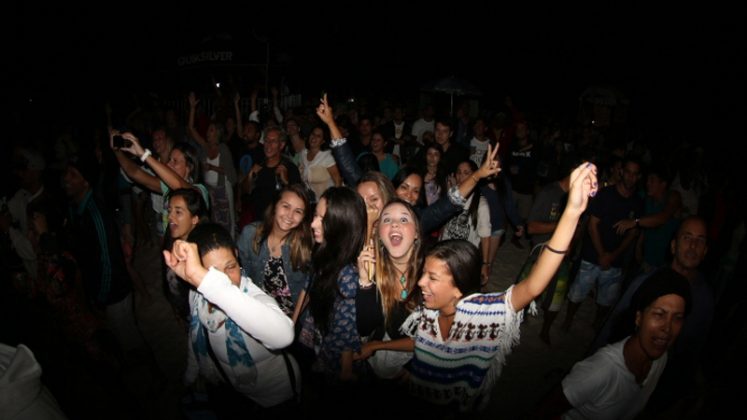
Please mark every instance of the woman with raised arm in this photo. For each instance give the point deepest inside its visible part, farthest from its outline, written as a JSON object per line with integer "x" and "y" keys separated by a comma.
{"x": 473, "y": 223}
{"x": 183, "y": 169}
{"x": 316, "y": 164}
{"x": 220, "y": 173}
{"x": 237, "y": 332}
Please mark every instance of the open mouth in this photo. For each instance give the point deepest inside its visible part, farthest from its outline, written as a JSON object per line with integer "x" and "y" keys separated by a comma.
{"x": 427, "y": 296}
{"x": 661, "y": 343}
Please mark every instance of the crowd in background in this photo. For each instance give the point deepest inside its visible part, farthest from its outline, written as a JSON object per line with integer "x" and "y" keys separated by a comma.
{"x": 331, "y": 255}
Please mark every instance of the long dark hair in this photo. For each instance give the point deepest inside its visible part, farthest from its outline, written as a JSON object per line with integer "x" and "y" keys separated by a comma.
{"x": 195, "y": 204}
{"x": 402, "y": 175}
{"x": 192, "y": 160}
{"x": 440, "y": 170}
{"x": 344, "y": 226}
{"x": 475, "y": 203}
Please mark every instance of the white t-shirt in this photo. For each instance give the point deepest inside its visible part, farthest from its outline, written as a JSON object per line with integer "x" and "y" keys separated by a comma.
{"x": 398, "y": 129}
{"x": 314, "y": 173}
{"x": 421, "y": 126}
{"x": 211, "y": 176}
{"x": 602, "y": 387}
{"x": 477, "y": 150}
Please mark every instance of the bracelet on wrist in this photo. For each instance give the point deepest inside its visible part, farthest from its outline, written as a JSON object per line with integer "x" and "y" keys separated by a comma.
{"x": 337, "y": 142}
{"x": 477, "y": 181}
{"x": 555, "y": 251}
{"x": 145, "y": 155}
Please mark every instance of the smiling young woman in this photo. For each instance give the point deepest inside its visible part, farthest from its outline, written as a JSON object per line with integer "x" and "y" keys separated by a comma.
{"x": 276, "y": 252}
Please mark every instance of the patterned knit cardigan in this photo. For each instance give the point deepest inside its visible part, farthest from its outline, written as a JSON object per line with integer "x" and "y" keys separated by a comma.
{"x": 463, "y": 368}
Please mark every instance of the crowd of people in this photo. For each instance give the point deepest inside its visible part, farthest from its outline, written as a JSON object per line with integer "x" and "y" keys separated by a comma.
{"x": 318, "y": 258}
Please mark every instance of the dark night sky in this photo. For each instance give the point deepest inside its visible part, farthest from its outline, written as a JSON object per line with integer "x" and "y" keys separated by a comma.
{"x": 679, "y": 66}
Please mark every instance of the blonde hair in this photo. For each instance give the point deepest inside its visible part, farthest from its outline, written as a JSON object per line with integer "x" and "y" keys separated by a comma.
{"x": 381, "y": 181}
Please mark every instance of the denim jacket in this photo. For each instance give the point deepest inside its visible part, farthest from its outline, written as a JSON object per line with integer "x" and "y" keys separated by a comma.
{"x": 253, "y": 264}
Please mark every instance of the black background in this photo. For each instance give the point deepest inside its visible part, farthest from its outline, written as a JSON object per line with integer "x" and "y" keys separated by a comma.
{"x": 681, "y": 65}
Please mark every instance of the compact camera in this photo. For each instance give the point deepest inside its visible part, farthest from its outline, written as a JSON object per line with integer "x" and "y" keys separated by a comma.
{"x": 120, "y": 142}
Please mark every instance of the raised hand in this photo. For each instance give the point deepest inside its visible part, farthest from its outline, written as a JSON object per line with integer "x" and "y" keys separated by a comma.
{"x": 491, "y": 166}
{"x": 193, "y": 101}
{"x": 583, "y": 184}
{"x": 134, "y": 147}
{"x": 184, "y": 260}
{"x": 324, "y": 111}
